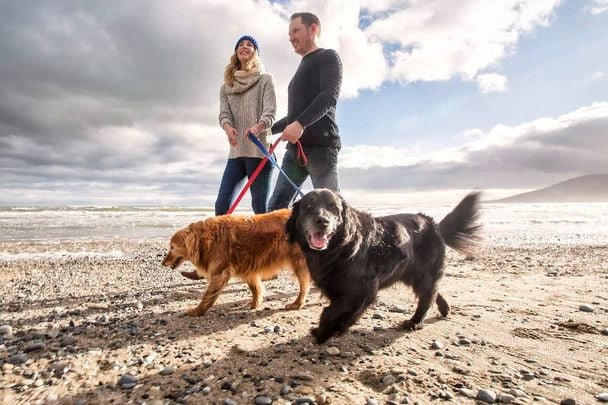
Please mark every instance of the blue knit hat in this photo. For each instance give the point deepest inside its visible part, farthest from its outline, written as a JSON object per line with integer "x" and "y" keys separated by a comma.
{"x": 250, "y": 39}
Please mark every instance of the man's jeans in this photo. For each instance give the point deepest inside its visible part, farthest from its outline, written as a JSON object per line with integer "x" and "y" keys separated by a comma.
{"x": 322, "y": 168}
{"x": 235, "y": 172}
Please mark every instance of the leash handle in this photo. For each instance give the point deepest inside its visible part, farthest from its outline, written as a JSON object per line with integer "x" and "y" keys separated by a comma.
{"x": 262, "y": 148}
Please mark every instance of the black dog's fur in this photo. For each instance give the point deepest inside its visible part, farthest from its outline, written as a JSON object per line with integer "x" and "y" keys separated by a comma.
{"x": 352, "y": 255}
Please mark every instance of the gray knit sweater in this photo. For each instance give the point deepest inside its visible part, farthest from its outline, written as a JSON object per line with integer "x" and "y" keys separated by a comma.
{"x": 245, "y": 105}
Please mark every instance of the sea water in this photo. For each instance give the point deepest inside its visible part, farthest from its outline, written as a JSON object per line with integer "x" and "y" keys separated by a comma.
{"x": 503, "y": 224}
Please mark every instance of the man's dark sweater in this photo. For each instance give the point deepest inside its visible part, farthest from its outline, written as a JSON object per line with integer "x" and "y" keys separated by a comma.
{"x": 312, "y": 96}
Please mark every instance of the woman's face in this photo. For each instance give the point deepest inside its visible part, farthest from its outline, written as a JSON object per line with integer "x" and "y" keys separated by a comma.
{"x": 245, "y": 51}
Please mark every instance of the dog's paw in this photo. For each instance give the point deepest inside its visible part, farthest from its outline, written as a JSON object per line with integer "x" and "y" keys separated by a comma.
{"x": 411, "y": 325}
{"x": 319, "y": 336}
{"x": 253, "y": 305}
{"x": 192, "y": 275}
{"x": 193, "y": 312}
{"x": 293, "y": 305}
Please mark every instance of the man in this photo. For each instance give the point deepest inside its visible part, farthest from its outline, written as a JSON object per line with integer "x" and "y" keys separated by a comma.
{"x": 311, "y": 114}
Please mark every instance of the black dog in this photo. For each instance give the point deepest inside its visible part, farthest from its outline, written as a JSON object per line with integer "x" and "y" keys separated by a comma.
{"x": 352, "y": 255}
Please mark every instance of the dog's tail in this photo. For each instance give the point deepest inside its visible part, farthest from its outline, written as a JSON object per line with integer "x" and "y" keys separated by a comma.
{"x": 460, "y": 229}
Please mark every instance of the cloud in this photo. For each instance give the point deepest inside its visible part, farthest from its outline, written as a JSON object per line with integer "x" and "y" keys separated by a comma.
{"x": 437, "y": 40}
{"x": 595, "y": 76}
{"x": 598, "y": 7}
{"x": 532, "y": 154}
{"x": 491, "y": 82}
{"x": 119, "y": 100}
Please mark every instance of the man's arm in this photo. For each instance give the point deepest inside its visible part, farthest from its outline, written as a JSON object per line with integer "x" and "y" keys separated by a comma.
{"x": 279, "y": 126}
{"x": 331, "y": 80}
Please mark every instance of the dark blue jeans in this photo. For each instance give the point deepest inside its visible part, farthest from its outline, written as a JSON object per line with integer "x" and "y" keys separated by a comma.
{"x": 322, "y": 168}
{"x": 234, "y": 174}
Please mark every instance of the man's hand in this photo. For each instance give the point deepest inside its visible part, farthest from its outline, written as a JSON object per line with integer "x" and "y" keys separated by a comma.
{"x": 292, "y": 132}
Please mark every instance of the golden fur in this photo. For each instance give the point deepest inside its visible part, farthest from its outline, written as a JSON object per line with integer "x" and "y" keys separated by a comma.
{"x": 253, "y": 248}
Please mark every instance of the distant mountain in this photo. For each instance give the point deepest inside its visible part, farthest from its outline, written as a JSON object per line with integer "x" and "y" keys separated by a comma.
{"x": 591, "y": 188}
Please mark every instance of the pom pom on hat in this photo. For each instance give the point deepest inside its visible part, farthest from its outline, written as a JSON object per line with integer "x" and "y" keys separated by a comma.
{"x": 250, "y": 39}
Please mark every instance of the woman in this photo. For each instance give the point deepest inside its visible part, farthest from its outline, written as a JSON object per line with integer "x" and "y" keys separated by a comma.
{"x": 247, "y": 104}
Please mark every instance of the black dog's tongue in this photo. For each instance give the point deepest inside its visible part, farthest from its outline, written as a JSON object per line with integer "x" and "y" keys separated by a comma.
{"x": 319, "y": 240}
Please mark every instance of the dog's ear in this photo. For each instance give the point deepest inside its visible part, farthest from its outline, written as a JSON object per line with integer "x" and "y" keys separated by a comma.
{"x": 349, "y": 219}
{"x": 290, "y": 225}
{"x": 193, "y": 246}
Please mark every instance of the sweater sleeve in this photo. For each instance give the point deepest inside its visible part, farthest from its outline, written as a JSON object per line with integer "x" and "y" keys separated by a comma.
{"x": 269, "y": 103}
{"x": 225, "y": 115}
{"x": 280, "y": 125}
{"x": 330, "y": 72}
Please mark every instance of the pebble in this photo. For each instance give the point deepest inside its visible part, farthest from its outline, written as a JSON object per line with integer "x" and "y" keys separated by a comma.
{"x": 371, "y": 401}
{"x": 33, "y": 347}
{"x": 603, "y": 397}
{"x": 226, "y": 386}
{"x": 436, "y": 345}
{"x": 398, "y": 308}
{"x": 333, "y": 351}
{"x": 586, "y": 308}
{"x": 167, "y": 371}
{"x": 262, "y": 400}
{"x": 206, "y": 390}
{"x": 517, "y": 393}
{"x": 285, "y": 389}
{"x": 467, "y": 392}
{"x": 604, "y": 331}
{"x": 302, "y": 377}
{"x": 304, "y": 389}
{"x": 304, "y": 401}
{"x": 567, "y": 401}
{"x": 486, "y": 395}
{"x": 378, "y": 315}
{"x": 506, "y": 398}
{"x": 17, "y": 359}
{"x": 388, "y": 379}
{"x": 127, "y": 381}
{"x": 527, "y": 375}
{"x": 68, "y": 341}
{"x": 6, "y": 330}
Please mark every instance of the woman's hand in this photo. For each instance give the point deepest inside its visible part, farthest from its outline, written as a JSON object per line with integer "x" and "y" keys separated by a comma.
{"x": 256, "y": 129}
{"x": 231, "y": 134}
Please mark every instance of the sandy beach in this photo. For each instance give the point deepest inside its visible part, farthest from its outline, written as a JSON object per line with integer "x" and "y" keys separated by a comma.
{"x": 528, "y": 325}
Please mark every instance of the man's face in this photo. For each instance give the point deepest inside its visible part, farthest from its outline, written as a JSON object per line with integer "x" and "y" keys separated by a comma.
{"x": 301, "y": 37}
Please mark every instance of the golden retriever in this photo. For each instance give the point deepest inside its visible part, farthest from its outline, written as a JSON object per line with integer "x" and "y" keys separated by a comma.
{"x": 253, "y": 248}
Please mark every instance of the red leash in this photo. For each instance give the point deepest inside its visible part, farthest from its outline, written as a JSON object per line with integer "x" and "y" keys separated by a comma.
{"x": 301, "y": 157}
{"x": 254, "y": 175}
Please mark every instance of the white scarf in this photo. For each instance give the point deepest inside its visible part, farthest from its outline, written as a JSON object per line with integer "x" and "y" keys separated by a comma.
{"x": 244, "y": 79}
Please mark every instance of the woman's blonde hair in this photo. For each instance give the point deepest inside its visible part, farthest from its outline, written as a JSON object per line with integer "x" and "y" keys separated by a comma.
{"x": 235, "y": 64}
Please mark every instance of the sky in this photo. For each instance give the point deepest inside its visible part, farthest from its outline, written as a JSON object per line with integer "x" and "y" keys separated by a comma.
{"x": 116, "y": 102}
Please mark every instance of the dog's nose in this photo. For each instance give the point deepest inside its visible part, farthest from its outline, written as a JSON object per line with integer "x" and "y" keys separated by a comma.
{"x": 321, "y": 221}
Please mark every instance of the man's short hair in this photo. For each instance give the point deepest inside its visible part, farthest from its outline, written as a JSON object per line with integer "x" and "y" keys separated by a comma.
{"x": 308, "y": 19}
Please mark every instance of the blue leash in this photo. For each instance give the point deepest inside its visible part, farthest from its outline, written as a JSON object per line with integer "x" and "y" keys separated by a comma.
{"x": 262, "y": 148}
